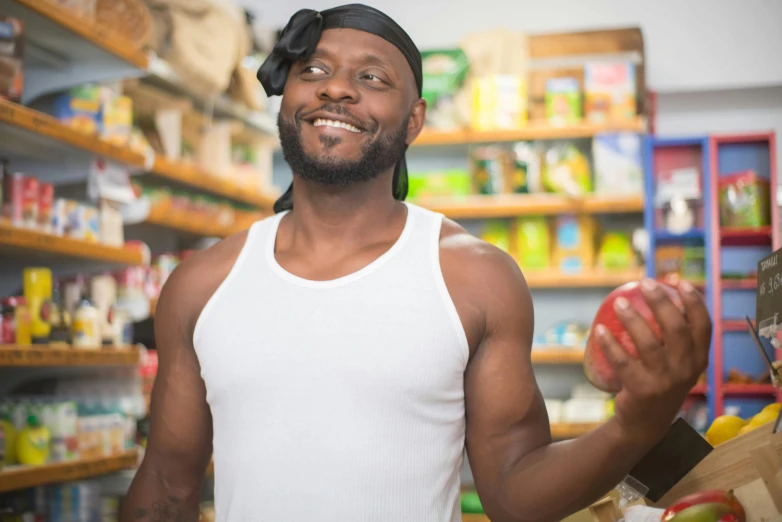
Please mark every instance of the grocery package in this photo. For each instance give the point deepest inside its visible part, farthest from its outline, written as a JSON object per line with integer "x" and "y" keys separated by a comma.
{"x": 686, "y": 262}
{"x": 451, "y": 183}
{"x": 533, "y": 243}
{"x": 618, "y": 164}
{"x": 563, "y": 101}
{"x": 117, "y": 120}
{"x": 488, "y": 164}
{"x": 744, "y": 200}
{"x": 566, "y": 170}
{"x": 566, "y": 334}
{"x": 678, "y": 199}
{"x": 80, "y": 109}
{"x": 525, "y": 169}
{"x": 37, "y": 288}
{"x": 497, "y": 233}
{"x": 609, "y": 91}
{"x": 444, "y": 73}
{"x": 574, "y": 247}
{"x": 12, "y": 42}
{"x": 499, "y": 102}
{"x": 615, "y": 251}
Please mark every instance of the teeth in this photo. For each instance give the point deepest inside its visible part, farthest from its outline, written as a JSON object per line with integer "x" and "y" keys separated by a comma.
{"x": 320, "y": 122}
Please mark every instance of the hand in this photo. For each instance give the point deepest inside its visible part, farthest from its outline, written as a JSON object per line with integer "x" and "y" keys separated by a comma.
{"x": 655, "y": 384}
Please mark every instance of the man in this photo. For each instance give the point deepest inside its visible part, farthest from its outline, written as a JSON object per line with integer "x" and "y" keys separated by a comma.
{"x": 339, "y": 356}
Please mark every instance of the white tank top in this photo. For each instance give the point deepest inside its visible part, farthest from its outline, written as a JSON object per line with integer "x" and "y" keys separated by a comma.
{"x": 338, "y": 400}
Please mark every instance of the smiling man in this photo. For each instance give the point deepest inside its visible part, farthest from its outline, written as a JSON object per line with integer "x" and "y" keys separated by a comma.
{"x": 338, "y": 357}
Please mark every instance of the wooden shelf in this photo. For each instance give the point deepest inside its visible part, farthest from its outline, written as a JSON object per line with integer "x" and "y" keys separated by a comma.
{"x": 739, "y": 284}
{"x": 16, "y": 356}
{"x": 186, "y": 222}
{"x": 562, "y": 431}
{"x": 533, "y": 131}
{"x": 553, "y": 279}
{"x": 749, "y": 389}
{"x": 14, "y": 238}
{"x": 557, "y": 355}
{"x": 96, "y": 34}
{"x": 36, "y": 125}
{"x": 23, "y": 477}
{"x": 191, "y": 175}
{"x": 513, "y": 205}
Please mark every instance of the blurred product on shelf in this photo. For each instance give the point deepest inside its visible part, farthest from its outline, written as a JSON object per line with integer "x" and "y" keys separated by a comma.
{"x": 696, "y": 413}
{"x": 563, "y": 101}
{"x": 84, "y": 419}
{"x": 82, "y": 501}
{"x": 586, "y": 405}
{"x": 445, "y": 72}
{"x": 618, "y": 164}
{"x": 566, "y": 170}
{"x": 534, "y": 243}
{"x": 678, "y": 200}
{"x": 12, "y": 42}
{"x": 497, "y": 233}
{"x": 45, "y": 315}
{"x": 451, "y": 183}
{"x": 615, "y": 251}
{"x": 488, "y": 170}
{"x": 744, "y": 200}
{"x": 574, "y": 247}
{"x": 27, "y": 203}
{"x": 565, "y": 334}
{"x": 80, "y": 109}
{"x": 686, "y": 262}
{"x": 499, "y": 102}
{"x": 609, "y": 91}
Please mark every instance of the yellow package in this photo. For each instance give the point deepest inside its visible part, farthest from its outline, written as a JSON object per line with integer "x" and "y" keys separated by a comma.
{"x": 499, "y": 102}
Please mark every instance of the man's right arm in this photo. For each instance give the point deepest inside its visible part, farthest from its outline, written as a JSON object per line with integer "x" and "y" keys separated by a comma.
{"x": 168, "y": 483}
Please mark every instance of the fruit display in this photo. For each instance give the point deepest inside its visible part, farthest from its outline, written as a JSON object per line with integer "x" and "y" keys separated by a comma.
{"x": 727, "y": 427}
{"x": 596, "y": 366}
{"x": 706, "y": 506}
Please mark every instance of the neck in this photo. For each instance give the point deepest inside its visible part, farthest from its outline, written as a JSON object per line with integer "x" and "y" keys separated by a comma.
{"x": 343, "y": 215}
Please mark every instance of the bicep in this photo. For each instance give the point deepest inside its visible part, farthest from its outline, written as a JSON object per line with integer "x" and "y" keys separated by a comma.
{"x": 506, "y": 415}
{"x": 180, "y": 420}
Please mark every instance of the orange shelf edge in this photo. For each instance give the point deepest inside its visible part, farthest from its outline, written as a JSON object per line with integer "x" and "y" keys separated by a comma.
{"x": 42, "y": 242}
{"x": 42, "y": 355}
{"x": 23, "y": 477}
{"x": 188, "y": 223}
{"x": 595, "y": 279}
{"x": 534, "y": 130}
{"x": 557, "y": 355}
{"x": 513, "y": 205}
{"x": 564, "y": 430}
{"x": 100, "y": 36}
{"x": 49, "y": 127}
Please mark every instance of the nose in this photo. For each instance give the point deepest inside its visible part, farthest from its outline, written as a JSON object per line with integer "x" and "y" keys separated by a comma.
{"x": 339, "y": 87}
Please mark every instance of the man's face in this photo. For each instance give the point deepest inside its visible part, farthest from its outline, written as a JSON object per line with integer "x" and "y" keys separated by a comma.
{"x": 349, "y": 111}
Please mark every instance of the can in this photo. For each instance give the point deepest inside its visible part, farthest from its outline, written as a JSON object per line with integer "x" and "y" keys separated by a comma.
{"x": 29, "y": 202}
{"x": 45, "y": 207}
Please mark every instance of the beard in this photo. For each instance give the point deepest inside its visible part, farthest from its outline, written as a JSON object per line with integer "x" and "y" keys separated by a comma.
{"x": 377, "y": 156}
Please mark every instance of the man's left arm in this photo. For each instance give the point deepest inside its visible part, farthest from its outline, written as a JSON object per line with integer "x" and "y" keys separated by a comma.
{"x": 520, "y": 474}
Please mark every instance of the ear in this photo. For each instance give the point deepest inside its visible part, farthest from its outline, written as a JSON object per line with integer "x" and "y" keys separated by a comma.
{"x": 417, "y": 119}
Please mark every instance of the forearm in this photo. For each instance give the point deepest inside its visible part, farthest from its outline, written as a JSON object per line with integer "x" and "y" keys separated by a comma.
{"x": 559, "y": 479}
{"x": 155, "y": 496}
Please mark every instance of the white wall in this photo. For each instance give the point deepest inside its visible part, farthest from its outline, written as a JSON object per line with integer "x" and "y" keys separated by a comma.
{"x": 690, "y": 44}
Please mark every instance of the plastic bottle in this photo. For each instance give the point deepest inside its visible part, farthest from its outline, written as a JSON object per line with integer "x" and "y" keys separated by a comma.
{"x": 86, "y": 326}
{"x": 32, "y": 444}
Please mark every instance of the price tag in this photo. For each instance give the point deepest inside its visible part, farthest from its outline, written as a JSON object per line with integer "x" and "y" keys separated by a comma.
{"x": 769, "y": 297}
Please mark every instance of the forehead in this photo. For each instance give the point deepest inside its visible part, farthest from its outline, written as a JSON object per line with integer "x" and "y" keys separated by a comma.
{"x": 355, "y": 45}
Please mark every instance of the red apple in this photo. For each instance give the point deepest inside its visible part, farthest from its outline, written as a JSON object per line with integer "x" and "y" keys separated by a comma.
{"x": 710, "y": 496}
{"x": 597, "y": 368}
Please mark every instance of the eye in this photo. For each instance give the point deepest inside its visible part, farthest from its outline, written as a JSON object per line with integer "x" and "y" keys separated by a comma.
{"x": 373, "y": 78}
{"x": 313, "y": 69}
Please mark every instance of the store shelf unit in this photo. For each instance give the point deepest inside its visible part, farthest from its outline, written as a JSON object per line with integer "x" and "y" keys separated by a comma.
{"x": 557, "y": 355}
{"x": 664, "y": 155}
{"x": 735, "y": 253}
{"x": 22, "y": 477}
{"x": 54, "y": 356}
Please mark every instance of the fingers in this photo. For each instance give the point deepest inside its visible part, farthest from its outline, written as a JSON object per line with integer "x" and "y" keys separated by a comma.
{"x": 670, "y": 317}
{"x": 643, "y": 337}
{"x": 618, "y": 358}
{"x": 699, "y": 320}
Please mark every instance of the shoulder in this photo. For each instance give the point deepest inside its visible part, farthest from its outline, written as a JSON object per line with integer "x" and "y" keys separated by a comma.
{"x": 483, "y": 278}
{"x": 194, "y": 280}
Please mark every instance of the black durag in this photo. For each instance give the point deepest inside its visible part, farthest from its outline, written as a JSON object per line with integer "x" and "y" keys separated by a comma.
{"x": 300, "y": 38}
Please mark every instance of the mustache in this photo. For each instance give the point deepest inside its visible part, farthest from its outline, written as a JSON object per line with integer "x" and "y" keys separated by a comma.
{"x": 340, "y": 110}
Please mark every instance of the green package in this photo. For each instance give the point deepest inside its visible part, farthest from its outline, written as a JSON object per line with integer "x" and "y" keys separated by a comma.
{"x": 497, "y": 233}
{"x": 452, "y": 183}
{"x": 534, "y": 240}
{"x": 444, "y": 74}
{"x": 563, "y": 101}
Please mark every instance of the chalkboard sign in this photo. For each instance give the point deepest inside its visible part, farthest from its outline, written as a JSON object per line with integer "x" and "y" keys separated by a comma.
{"x": 768, "y": 315}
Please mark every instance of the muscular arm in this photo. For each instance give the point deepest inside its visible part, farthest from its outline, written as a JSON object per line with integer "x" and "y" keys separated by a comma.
{"x": 168, "y": 483}
{"x": 520, "y": 474}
